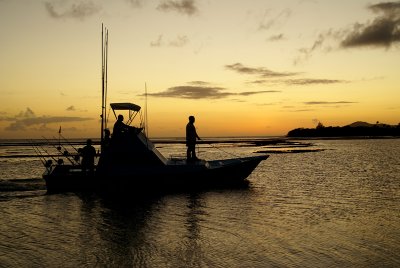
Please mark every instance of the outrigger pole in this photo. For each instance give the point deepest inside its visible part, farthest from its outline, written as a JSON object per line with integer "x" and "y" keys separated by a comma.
{"x": 104, "y": 61}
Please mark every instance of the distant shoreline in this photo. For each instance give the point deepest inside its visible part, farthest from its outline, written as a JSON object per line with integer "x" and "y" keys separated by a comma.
{"x": 249, "y": 141}
{"x": 356, "y": 130}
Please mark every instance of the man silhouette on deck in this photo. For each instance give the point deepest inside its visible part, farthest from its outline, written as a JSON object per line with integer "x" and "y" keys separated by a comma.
{"x": 191, "y": 136}
{"x": 88, "y": 154}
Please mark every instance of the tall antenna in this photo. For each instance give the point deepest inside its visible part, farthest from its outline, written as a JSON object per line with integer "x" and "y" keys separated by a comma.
{"x": 104, "y": 62}
{"x": 106, "y": 81}
{"x": 146, "y": 122}
{"x": 102, "y": 87}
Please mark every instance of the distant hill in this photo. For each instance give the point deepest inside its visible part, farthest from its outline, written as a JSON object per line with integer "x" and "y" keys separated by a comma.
{"x": 359, "y": 128}
{"x": 360, "y": 124}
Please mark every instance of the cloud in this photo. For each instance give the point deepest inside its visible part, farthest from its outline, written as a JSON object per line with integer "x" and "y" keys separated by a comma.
{"x": 268, "y": 23}
{"x": 50, "y": 119}
{"x": 192, "y": 92}
{"x": 27, "y": 118}
{"x": 382, "y": 32}
{"x": 179, "y": 41}
{"x": 277, "y": 37}
{"x": 76, "y": 10}
{"x": 135, "y": 3}
{"x": 312, "y": 81}
{"x": 158, "y": 42}
{"x": 199, "y": 83}
{"x": 186, "y": 7}
{"x": 319, "y": 43}
{"x": 300, "y": 81}
{"x": 202, "y": 92}
{"x": 260, "y": 71}
{"x": 328, "y": 102}
{"x": 273, "y": 77}
{"x": 249, "y": 93}
{"x": 28, "y": 113}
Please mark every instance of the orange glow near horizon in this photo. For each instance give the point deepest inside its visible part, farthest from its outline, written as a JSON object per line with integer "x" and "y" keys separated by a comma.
{"x": 256, "y": 68}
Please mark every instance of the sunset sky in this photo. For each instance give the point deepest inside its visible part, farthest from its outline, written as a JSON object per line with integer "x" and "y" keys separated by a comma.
{"x": 254, "y": 67}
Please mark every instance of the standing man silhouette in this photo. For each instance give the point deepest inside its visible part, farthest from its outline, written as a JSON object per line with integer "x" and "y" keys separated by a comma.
{"x": 191, "y": 136}
{"x": 88, "y": 154}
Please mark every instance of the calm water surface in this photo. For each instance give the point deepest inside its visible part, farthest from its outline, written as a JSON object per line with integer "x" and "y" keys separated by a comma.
{"x": 338, "y": 206}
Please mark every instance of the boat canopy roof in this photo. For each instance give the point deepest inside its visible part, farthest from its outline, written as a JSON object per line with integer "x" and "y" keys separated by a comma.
{"x": 125, "y": 106}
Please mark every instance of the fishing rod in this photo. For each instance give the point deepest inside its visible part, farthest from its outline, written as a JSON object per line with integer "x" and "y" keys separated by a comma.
{"x": 58, "y": 149}
{"x": 37, "y": 151}
{"x": 218, "y": 148}
{"x": 70, "y": 144}
{"x": 66, "y": 153}
{"x": 46, "y": 153}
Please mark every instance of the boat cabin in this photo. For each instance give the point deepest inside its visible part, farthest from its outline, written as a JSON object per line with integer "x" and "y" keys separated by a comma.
{"x": 130, "y": 147}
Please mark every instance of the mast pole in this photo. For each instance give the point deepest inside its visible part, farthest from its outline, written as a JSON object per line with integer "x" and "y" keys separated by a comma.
{"x": 102, "y": 88}
{"x": 146, "y": 125}
{"x": 106, "y": 80}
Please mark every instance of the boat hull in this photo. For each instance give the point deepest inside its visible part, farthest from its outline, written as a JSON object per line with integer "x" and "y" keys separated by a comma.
{"x": 144, "y": 179}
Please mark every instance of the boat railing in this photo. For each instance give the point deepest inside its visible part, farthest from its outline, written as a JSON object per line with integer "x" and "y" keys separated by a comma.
{"x": 176, "y": 157}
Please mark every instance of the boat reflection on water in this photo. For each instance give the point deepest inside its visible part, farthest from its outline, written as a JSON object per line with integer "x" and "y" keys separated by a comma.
{"x": 145, "y": 232}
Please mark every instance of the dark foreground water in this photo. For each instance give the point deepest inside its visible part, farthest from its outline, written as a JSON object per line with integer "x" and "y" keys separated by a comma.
{"x": 336, "y": 204}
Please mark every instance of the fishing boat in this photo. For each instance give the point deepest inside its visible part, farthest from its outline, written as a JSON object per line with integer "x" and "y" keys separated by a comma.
{"x": 131, "y": 162}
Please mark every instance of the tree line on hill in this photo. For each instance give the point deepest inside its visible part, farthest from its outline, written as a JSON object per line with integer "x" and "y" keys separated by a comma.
{"x": 356, "y": 129}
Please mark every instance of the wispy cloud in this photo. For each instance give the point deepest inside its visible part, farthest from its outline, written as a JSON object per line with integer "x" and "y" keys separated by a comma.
{"x": 313, "y": 81}
{"x": 259, "y": 71}
{"x": 299, "y": 82}
{"x": 328, "y": 102}
{"x": 383, "y": 31}
{"x": 319, "y": 43}
{"x": 267, "y": 22}
{"x": 179, "y": 41}
{"x": 193, "y": 92}
{"x": 71, "y": 10}
{"x": 158, "y": 42}
{"x": 186, "y": 7}
{"x": 71, "y": 108}
{"x": 203, "y": 90}
{"x": 199, "y": 83}
{"x": 271, "y": 77}
{"x": 276, "y": 37}
{"x": 135, "y": 3}
{"x": 27, "y": 119}
{"x": 249, "y": 93}
{"x": 309, "y": 106}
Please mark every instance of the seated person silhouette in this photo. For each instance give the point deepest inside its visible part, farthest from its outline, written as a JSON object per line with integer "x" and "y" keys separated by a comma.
{"x": 119, "y": 127}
